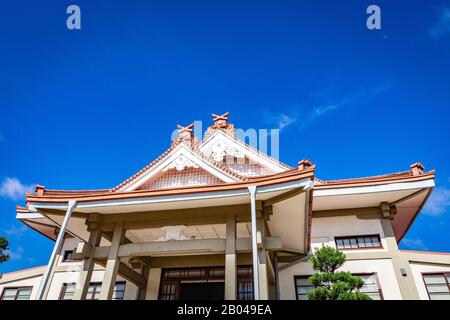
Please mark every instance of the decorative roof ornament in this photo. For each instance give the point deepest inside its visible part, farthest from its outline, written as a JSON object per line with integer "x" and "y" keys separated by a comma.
{"x": 221, "y": 123}
{"x": 220, "y": 149}
{"x": 185, "y": 133}
{"x": 180, "y": 163}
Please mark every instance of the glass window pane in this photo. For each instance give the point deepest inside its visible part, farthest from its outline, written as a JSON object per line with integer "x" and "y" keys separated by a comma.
{"x": 434, "y": 278}
{"x": 347, "y": 243}
{"x": 10, "y": 292}
{"x": 440, "y": 296}
{"x": 438, "y": 288}
{"x": 368, "y": 241}
{"x": 354, "y": 243}
{"x": 376, "y": 242}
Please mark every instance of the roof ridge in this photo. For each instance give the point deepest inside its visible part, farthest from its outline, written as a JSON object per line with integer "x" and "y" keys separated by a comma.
{"x": 401, "y": 173}
{"x": 148, "y": 166}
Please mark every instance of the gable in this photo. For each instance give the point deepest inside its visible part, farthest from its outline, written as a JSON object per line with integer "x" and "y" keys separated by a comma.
{"x": 173, "y": 178}
{"x": 239, "y": 156}
{"x": 181, "y": 163}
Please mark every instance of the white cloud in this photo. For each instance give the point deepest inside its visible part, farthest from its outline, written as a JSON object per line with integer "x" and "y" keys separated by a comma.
{"x": 284, "y": 120}
{"x": 361, "y": 97}
{"x": 415, "y": 244}
{"x": 442, "y": 25}
{"x": 13, "y": 189}
{"x": 15, "y": 231}
{"x": 16, "y": 254}
{"x": 438, "y": 202}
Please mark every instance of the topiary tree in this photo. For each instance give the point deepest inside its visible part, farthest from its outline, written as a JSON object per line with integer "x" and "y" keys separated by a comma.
{"x": 3, "y": 247}
{"x": 332, "y": 285}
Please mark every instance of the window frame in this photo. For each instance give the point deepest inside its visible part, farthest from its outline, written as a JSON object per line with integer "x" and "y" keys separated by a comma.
{"x": 124, "y": 289}
{"x": 18, "y": 289}
{"x": 444, "y": 274}
{"x": 95, "y": 292}
{"x": 63, "y": 291}
{"x": 295, "y": 284}
{"x": 64, "y": 259}
{"x": 356, "y": 237}
{"x": 380, "y": 291}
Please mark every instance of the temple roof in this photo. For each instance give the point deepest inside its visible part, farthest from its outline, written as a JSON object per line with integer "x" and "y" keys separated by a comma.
{"x": 223, "y": 163}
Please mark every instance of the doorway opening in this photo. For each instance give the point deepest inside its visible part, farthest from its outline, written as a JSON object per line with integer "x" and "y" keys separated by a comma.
{"x": 203, "y": 283}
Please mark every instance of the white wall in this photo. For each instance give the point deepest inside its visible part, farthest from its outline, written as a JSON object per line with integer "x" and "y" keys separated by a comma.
{"x": 323, "y": 232}
{"x": 69, "y": 275}
{"x": 28, "y": 282}
{"x": 383, "y": 269}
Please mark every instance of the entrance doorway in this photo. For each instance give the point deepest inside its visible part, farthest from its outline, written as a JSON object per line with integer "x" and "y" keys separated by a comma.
{"x": 203, "y": 283}
{"x": 202, "y": 291}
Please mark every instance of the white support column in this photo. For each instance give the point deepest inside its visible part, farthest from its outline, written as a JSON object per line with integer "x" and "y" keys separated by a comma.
{"x": 56, "y": 251}
{"x": 262, "y": 260}
{"x": 252, "y": 191}
{"x": 230, "y": 259}
{"x": 112, "y": 266}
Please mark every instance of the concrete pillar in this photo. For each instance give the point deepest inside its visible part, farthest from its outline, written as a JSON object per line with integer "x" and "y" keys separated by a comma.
{"x": 112, "y": 265}
{"x": 143, "y": 291}
{"x": 230, "y": 259}
{"x": 153, "y": 282}
{"x": 405, "y": 279}
{"x": 87, "y": 267}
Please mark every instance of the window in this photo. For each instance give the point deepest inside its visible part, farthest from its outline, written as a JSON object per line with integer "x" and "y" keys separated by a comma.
{"x": 438, "y": 285}
{"x": 302, "y": 286}
{"x": 93, "y": 293}
{"x": 370, "y": 287}
{"x": 119, "y": 291}
{"x": 68, "y": 256}
{"x": 358, "y": 242}
{"x": 245, "y": 283}
{"x": 18, "y": 293}
{"x": 67, "y": 291}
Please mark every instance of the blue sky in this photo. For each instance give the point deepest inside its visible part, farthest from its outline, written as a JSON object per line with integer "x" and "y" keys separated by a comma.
{"x": 85, "y": 109}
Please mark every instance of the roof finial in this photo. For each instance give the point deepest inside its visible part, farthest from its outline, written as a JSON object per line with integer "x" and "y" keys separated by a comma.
{"x": 221, "y": 121}
{"x": 417, "y": 169}
{"x": 185, "y": 133}
{"x": 304, "y": 164}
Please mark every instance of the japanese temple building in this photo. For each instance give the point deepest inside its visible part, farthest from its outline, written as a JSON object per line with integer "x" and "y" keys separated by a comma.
{"x": 218, "y": 219}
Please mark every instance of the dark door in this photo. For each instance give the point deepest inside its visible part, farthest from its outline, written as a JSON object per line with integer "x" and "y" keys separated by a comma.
{"x": 202, "y": 291}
